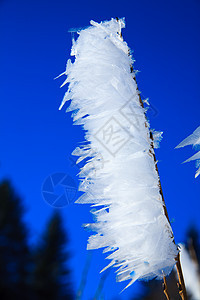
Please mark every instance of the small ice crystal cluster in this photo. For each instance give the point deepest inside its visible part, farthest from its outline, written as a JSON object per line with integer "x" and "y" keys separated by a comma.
{"x": 119, "y": 178}
{"x": 194, "y": 140}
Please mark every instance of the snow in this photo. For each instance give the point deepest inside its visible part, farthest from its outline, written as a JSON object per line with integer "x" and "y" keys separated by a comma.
{"x": 119, "y": 178}
{"x": 193, "y": 139}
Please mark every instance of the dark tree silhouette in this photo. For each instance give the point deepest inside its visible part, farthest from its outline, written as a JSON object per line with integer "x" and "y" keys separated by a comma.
{"x": 14, "y": 252}
{"x": 51, "y": 276}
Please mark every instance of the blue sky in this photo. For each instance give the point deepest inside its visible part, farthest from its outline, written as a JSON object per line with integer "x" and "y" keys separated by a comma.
{"x": 37, "y": 139}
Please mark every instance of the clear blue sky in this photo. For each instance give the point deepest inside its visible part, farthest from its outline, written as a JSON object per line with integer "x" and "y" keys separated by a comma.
{"x": 37, "y": 139}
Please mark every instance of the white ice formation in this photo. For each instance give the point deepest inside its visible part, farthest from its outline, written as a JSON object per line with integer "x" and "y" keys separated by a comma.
{"x": 194, "y": 140}
{"x": 119, "y": 178}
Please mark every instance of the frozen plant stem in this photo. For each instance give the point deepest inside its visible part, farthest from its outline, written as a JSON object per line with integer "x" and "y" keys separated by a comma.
{"x": 120, "y": 177}
{"x": 181, "y": 284}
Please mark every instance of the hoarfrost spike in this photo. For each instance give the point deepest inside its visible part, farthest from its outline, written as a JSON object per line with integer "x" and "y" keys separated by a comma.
{"x": 194, "y": 140}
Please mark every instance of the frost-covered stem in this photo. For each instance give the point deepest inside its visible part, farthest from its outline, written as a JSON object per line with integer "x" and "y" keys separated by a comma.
{"x": 165, "y": 288}
{"x": 129, "y": 210}
{"x": 151, "y": 151}
{"x": 181, "y": 284}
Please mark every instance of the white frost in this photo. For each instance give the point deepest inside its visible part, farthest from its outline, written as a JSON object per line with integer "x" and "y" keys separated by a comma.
{"x": 190, "y": 274}
{"x": 157, "y": 137}
{"x": 119, "y": 178}
{"x": 193, "y": 139}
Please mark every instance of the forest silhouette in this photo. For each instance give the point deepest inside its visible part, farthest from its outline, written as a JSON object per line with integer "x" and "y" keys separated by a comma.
{"x": 42, "y": 271}
{"x": 26, "y": 272}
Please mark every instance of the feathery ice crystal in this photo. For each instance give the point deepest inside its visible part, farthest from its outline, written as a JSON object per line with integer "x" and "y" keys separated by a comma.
{"x": 193, "y": 139}
{"x": 119, "y": 178}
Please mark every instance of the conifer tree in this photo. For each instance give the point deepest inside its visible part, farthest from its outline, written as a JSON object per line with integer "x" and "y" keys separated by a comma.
{"x": 14, "y": 252}
{"x": 50, "y": 279}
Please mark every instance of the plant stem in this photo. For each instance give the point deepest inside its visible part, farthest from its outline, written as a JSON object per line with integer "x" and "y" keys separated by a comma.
{"x": 165, "y": 289}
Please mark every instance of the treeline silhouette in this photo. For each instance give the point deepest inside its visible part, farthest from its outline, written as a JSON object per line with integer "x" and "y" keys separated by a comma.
{"x": 27, "y": 272}
{"x": 41, "y": 272}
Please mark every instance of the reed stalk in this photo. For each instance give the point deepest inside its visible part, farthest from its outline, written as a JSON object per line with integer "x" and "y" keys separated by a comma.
{"x": 181, "y": 283}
